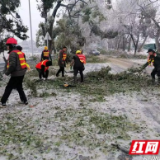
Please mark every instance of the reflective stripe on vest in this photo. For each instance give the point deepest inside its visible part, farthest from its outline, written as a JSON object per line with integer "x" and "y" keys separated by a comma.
{"x": 21, "y": 59}
{"x": 64, "y": 56}
{"x": 82, "y": 58}
{"x": 46, "y": 53}
{"x": 150, "y": 62}
{"x": 38, "y": 66}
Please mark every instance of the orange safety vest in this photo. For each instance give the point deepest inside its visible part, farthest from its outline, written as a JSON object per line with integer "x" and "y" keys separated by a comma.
{"x": 38, "y": 66}
{"x": 64, "y": 56}
{"x": 150, "y": 61}
{"x": 82, "y": 58}
{"x": 46, "y": 53}
{"x": 22, "y": 59}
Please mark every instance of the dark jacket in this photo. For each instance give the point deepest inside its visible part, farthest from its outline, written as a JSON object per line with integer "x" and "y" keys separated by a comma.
{"x": 14, "y": 65}
{"x": 157, "y": 63}
{"x": 44, "y": 58}
{"x": 77, "y": 63}
{"x": 61, "y": 63}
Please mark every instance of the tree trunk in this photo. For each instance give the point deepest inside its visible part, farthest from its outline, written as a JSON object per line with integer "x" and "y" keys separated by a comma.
{"x": 53, "y": 47}
{"x": 141, "y": 46}
{"x": 51, "y": 34}
{"x": 124, "y": 44}
{"x": 157, "y": 40}
{"x": 135, "y": 43}
{"x": 58, "y": 5}
{"x": 129, "y": 44}
{"x": 119, "y": 40}
{"x": 136, "y": 46}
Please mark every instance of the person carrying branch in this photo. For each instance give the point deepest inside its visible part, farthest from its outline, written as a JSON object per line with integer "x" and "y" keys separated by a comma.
{"x": 78, "y": 62}
{"x": 153, "y": 60}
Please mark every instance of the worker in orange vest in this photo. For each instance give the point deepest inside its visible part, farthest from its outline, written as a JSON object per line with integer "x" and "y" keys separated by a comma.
{"x": 62, "y": 61}
{"x": 78, "y": 62}
{"x": 16, "y": 67}
{"x": 43, "y": 68}
{"x": 20, "y": 49}
{"x": 45, "y": 54}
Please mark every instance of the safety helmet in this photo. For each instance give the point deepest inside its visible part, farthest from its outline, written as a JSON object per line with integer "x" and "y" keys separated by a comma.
{"x": 45, "y": 48}
{"x": 11, "y": 41}
{"x": 78, "y": 52}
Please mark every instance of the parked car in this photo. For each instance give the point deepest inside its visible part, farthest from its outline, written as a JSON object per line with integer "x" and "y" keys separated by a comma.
{"x": 94, "y": 52}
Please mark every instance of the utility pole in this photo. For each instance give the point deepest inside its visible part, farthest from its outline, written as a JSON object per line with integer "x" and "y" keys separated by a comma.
{"x": 30, "y": 26}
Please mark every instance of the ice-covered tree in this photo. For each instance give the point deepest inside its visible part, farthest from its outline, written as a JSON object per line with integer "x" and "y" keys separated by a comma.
{"x": 10, "y": 21}
{"x": 49, "y": 10}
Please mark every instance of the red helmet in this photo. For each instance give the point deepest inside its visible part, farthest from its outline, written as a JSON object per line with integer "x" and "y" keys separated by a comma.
{"x": 11, "y": 41}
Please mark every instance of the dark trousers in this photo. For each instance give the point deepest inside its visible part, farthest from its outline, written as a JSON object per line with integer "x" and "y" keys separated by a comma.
{"x": 14, "y": 83}
{"x": 45, "y": 74}
{"x": 76, "y": 72}
{"x": 61, "y": 69}
{"x": 154, "y": 72}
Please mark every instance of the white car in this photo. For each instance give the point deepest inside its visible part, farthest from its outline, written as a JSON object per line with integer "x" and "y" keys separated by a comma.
{"x": 94, "y": 52}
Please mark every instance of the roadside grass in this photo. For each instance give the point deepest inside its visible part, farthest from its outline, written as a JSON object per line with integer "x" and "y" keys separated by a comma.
{"x": 121, "y": 54}
{"x": 97, "y": 83}
{"x": 133, "y": 56}
{"x": 24, "y": 134}
{"x": 76, "y": 127}
{"x": 18, "y": 136}
{"x": 83, "y": 126}
{"x": 95, "y": 59}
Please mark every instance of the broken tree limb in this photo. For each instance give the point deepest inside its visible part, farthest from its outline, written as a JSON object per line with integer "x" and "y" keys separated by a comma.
{"x": 124, "y": 150}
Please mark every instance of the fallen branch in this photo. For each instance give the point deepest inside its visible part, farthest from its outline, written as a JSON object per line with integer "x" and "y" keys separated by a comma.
{"x": 121, "y": 148}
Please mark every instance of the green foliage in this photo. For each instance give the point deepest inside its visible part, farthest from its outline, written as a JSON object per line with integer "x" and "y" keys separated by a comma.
{"x": 15, "y": 132}
{"x": 87, "y": 14}
{"x": 69, "y": 57}
{"x": 103, "y": 34}
{"x": 32, "y": 86}
{"x": 95, "y": 59}
{"x": 96, "y": 13}
{"x": 88, "y": 123}
{"x": 91, "y": 13}
{"x": 40, "y": 35}
{"x": 87, "y": 11}
{"x": 8, "y": 6}
{"x": 11, "y": 25}
{"x": 69, "y": 35}
{"x": 104, "y": 83}
{"x": 113, "y": 124}
{"x": 44, "y": 6}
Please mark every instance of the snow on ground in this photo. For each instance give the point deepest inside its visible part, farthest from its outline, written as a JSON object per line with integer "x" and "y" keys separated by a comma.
{"x": 66, "y": 125}
{"x": 60, "y": 117}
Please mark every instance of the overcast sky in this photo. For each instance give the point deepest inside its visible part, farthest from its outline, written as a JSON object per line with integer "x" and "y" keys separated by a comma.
{"x": 24, "y": 13}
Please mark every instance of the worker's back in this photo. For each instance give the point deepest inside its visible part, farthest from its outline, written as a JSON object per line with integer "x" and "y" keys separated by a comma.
{"x": 157, "y": 62}
{"x": 77, "y": 62}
